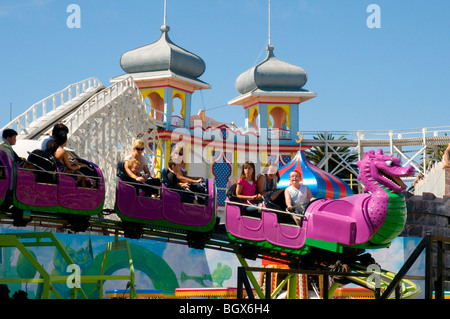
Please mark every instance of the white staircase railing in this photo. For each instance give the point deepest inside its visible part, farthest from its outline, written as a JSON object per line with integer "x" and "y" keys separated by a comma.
{"x": 51, "y": 103}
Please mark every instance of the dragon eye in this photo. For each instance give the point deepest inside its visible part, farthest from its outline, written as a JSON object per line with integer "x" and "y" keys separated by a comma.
{"x": 389, "y": 163}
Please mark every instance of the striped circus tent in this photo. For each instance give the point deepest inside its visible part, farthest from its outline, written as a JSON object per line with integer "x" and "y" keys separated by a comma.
{"x": 322, "y": 184}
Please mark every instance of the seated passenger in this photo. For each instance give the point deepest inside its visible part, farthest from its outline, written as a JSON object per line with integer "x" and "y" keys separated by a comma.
{"x": 266, "y": 183}
{"x": 65, "y": 164}
{"x": 49, "y": 144}
{"x": 296, "y": 195}
{"x": 246, "y": 189}
{"x": 177, "y": 156}
{"x": 194, "y": 183}
{"x": 134, "y": 167}
{"x": 138, "y": 154}
{"x": 9, "y": 139}
{"x": 174, "y": 175}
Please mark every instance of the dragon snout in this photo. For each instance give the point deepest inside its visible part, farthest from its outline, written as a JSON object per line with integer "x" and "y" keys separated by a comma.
{"x": 410, "y": 171}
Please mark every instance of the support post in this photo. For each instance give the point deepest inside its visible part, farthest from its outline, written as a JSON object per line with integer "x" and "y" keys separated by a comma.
{"x": 440, "y": 273}
{"x": 292, "y": 286}
{"x": 268, "y": 285}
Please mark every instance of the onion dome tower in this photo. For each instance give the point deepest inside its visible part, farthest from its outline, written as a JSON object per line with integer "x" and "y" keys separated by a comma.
{"x": 163, "y": 55}
{"x": 272, "y": 74}
{"x": 167, "y": 75}
{"x": 270, "y": 93}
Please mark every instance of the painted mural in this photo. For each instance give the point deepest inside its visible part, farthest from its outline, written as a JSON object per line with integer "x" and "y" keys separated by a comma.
{"x": 158, "y": 265}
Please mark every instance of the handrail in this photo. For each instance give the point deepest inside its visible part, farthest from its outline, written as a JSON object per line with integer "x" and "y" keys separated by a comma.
{"x": 143, "y": 184}
{"x": 415, "y": 136}
{"x": 398, "y": 134}
{"x": 39, "y": 109}
{"x": 265, "y": 209}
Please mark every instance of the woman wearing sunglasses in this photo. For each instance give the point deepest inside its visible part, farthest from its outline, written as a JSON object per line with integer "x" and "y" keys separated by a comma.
{"x": 138, "y": 154}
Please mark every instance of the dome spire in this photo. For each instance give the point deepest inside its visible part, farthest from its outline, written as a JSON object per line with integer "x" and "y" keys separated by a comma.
{"x": 165, "y": 12}
{"x": 271, "y": 74}
{"x": 271, "y": 77}
{"x": 269, "y": 25}
{"x": 165, "y": 27}
{"x": 269, "y": 40}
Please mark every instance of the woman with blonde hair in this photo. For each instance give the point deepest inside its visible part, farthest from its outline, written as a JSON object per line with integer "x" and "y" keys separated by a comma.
{"x": 137, "y": 153}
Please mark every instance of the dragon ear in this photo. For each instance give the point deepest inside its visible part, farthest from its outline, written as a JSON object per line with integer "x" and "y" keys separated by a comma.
{"x": 380, "y": 151}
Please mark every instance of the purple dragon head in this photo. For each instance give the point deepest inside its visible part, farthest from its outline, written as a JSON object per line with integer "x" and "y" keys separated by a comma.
{"x": 377, "y": 169}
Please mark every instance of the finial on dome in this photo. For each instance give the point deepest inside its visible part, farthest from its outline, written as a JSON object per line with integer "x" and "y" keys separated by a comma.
{"x": 270, "y": 49}
{"x": 164, "y": 28}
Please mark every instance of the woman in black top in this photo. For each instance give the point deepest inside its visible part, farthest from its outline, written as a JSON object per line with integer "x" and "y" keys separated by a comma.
{"x": 172, "y": 175}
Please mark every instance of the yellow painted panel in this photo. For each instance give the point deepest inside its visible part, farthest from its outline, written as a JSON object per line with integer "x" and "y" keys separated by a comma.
{"x": 252, "y": 111}
{"x": 285, "y": 107}
{"x": 182, "y": 96}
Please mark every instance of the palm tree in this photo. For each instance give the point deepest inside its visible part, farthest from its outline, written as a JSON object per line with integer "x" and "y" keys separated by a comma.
{"x": 433, "y": 155}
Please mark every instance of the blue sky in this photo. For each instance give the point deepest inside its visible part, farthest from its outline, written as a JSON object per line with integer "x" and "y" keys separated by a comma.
{"x": 393, "y": 77}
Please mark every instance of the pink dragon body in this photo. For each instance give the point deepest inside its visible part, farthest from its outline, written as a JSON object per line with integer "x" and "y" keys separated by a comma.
{"x": 373, "y": 218}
